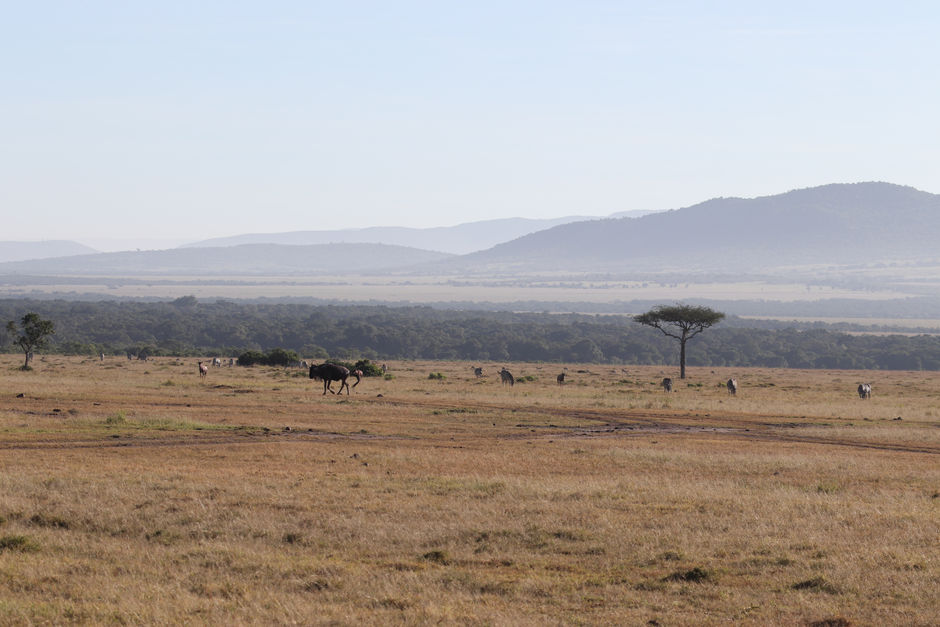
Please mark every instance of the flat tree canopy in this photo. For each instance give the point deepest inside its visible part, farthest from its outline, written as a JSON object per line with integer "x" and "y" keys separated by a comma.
{"x": 682, "y": 322}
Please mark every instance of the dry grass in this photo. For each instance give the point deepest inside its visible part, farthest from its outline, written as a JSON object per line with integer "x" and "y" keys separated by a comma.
{"x": 134, "y": 492}
{"x": 561, "y": 287}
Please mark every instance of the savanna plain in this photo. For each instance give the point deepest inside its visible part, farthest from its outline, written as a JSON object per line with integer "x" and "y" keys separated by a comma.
{"x": 138, "y": 492}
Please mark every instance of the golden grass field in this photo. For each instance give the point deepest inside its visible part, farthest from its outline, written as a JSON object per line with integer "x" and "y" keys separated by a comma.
{"x": 139, "y": 493}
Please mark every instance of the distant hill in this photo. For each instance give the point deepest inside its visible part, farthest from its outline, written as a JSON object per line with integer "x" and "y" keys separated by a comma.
{"x": 460, "y": 239}
{"x": 248, "y": 259}
{"x": 837, "y": 224}
{"x": 20, "y": 251}
{"x": 632, "y": 213}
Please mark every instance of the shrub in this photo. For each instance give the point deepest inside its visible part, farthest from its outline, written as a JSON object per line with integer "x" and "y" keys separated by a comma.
{"x": 368, "y": 368}
{"x": 274, "y": 357}
{"x": 281, "y": 357}
{"x": 250, "y": 358}
{"x": 437, "y": 375}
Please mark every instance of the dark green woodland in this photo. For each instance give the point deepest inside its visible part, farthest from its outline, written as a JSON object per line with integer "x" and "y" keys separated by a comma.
{"x": 188, "y": 326}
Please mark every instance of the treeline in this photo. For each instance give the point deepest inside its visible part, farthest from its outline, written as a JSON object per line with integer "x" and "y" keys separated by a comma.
{"x": 187, "y": 326}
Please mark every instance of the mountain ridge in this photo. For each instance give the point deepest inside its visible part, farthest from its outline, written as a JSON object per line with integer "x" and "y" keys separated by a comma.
{"x": 246, "y": 259}
{"x": 837, "y": 223}
{"x": 460, "y": 239}
{"x": 24, "y": 251}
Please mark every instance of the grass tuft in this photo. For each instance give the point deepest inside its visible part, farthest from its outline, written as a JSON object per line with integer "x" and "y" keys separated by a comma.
{"x": 816, "y": 584}
{"x": 438, "y": 557}
{"x": 23, "y": 544}
{"x": 55, "y": 522}
{"x": 117, "y": 418}
{"x": 695, "y": 575}
{"x": 834, "y": 621}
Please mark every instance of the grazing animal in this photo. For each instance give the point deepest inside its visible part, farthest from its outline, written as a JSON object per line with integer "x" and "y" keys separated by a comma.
{"x": 358, "y": 375}
{"x": 864, "y": 390}
{"x": 732, "y": 387}
{"x": 667, "y": 384}
{"x": 329, "y": 373}
{"x": 506, "y": 377}
{"x": 203, "y": 369}
{"x": 217, "y": 362}
{"x": 560, "y": 378}
{"x": 478, "y": 372}
{"x": 384, "y": 369}
{"x": 304, "y": 364}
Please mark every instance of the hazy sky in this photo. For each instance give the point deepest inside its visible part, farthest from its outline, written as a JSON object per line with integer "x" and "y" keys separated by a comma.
{"x": 180, "y": 121}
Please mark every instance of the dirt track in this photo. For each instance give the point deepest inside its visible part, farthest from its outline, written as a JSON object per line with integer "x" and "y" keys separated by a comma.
{"x": 607, "y": 423}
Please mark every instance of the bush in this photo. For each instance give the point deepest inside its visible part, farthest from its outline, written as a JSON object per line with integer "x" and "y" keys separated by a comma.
{"x": 250, "y": 358}
{"x": 274, "y": 357}
{"x": 368, "y": 368}
{"x": 281, "y": 357}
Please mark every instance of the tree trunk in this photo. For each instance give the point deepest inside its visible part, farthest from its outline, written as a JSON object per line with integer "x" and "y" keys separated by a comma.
{"x": 682, "y": 358}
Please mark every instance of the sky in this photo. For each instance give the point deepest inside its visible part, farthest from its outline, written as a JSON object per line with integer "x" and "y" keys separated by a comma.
{"x": 129, "y": 124}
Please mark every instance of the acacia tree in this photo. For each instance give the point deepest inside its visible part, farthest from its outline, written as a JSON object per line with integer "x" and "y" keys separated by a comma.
{"x": 33, "y": 332}
{"x": 682, "y": 322}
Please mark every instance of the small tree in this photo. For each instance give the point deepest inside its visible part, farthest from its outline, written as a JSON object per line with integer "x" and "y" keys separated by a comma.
{"x": 33, "y": 332}
{"x": 682, "y": 322}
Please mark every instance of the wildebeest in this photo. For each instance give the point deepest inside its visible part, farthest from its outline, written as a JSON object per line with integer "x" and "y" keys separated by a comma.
{"x": 560, "y": 378}
{"x": 329, "y": 373}
{"x": 506, "y": 377}
{"x": 667, "y": 384}
{"x": 203, "y": 369}
{"x": 732, "y": 387}
{"x": 864, "y": 390}
{"x": 477, "y": 371}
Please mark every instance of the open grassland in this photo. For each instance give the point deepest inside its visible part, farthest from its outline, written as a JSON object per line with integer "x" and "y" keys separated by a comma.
{"x": 138, "y": 492}
{"x": 560, "y": 288}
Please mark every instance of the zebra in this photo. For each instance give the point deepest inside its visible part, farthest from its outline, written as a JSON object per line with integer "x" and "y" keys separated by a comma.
{"x": 217, "y": 362}
{"x": 733, "y": 387}
{"x": 864, "y": 390}
{"x": 666, "y": 384}
{"x": 506, "y": 377}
